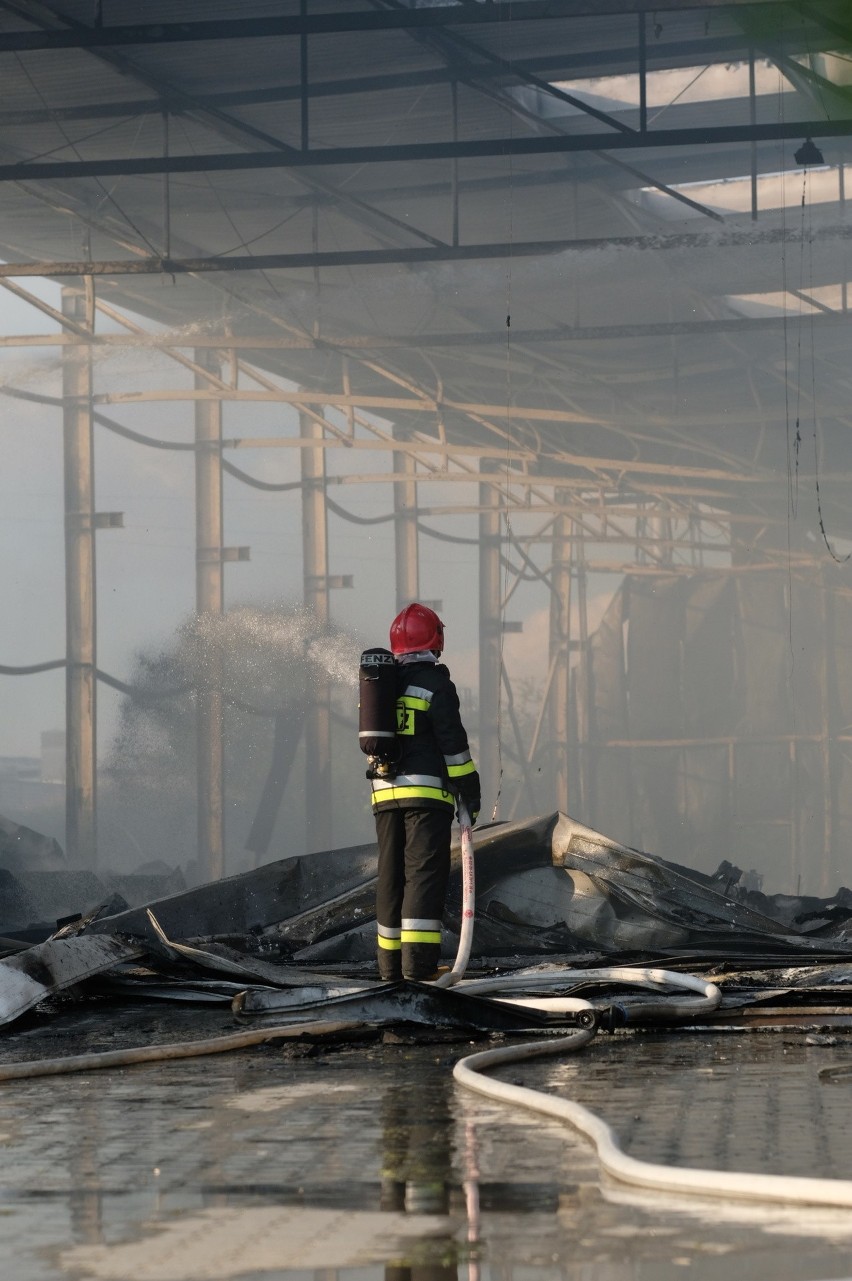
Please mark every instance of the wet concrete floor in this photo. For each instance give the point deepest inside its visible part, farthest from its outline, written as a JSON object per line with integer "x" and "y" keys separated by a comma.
{"x": 364, "y": 1162}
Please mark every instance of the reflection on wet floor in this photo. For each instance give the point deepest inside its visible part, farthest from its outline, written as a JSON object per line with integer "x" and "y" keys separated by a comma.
{"x": 367, "y": 1163}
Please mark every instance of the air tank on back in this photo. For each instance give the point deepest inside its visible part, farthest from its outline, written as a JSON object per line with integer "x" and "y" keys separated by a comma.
{"x": 377, "y": 711}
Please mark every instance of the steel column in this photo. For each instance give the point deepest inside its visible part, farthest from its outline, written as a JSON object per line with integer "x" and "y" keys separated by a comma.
{"x": 209, "y": 600}
{"x": 643, "y": 73}
{"x": 829, "y": 703}
{"x": 752, "y": 115}
{"x": 303, "y": 77}
{"x": 405, "y": 527}
{"x": 80, "y": 585}
{"x": 560, "y": 643}
{"x": 490, "y": 655}
{"x": 454, "y": 92}
{"x": 583, "y": 686}
{"x": 318, "y": 828}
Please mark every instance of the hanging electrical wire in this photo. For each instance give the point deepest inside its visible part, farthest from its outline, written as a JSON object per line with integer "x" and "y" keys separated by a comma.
{"x": 807, "y": 235}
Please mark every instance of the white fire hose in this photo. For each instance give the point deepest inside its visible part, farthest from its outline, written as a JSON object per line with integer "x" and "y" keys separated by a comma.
{"x": 468, "y": 900}
{"x": 469, "y": 1073}
{"x": 727, "y": 1184}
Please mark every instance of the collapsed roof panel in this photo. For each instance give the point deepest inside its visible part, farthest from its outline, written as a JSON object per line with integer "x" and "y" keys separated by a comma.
{"x": 547, "y": 886}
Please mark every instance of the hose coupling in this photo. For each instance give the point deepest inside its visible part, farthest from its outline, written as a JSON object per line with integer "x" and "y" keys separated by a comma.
{"x": 613, "y": 1017}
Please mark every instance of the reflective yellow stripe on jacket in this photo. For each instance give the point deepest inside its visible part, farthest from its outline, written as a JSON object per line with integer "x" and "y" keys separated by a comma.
{"x": 410, "y": 787}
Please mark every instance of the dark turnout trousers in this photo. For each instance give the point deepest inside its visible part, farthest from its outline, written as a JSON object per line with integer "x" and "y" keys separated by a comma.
{"x": 414, "y": 869}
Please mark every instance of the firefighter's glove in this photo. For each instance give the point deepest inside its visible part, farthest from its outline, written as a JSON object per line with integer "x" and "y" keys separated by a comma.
{"x": 469, "y": 793}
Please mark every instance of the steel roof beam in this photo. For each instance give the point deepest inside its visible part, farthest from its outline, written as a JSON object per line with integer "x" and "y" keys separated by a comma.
{"x": 471, "y": 149}
{"x": 229, "y": 126}
{"x": 560, "y": 63}
{"x": 778, "y": 235}
{"x": 352, "y": 343}
{"x": 161, "y": 33}
{"x": 450, "y": 44}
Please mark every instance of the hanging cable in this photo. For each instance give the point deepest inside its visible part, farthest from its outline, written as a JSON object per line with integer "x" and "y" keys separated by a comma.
{"x": 33, "y": 668}
{"x": 793, "y": 463}
{"x": 839, "y": 560}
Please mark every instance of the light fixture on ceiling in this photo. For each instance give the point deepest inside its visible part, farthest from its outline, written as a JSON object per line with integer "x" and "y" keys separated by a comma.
{"x": 808, "y": 154}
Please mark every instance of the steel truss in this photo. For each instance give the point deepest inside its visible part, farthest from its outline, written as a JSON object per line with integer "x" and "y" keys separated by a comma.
{"x": 447, "y": 33}
{"x": 672, "y": 519}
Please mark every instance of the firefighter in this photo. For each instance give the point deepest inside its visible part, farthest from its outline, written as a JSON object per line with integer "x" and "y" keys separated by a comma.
{"x": 414, "y": 806}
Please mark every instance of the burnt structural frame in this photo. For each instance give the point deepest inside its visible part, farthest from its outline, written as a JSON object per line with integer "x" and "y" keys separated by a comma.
{"x": 607, "y": 474}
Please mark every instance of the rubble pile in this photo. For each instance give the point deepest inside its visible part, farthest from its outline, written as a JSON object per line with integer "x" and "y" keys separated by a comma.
{"x": 295, "y": 938}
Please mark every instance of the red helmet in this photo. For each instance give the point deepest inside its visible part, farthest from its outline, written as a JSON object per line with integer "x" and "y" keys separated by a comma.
{"x": 417, "y": 627}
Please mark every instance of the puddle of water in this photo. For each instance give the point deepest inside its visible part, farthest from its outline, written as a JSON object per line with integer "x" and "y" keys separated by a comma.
{"x": 369, "y": 1163}
{"x": 224, "y": 1243}
{"x": 274, "y": 1097}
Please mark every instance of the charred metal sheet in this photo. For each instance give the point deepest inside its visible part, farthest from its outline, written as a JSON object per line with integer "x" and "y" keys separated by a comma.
{"x": 548, "y": 886}
{"x": 661, "y": 897}
{"x": 346, "y": 912}
{"x": 344, "y": 929}
{"x": 76, "y": 924}
{"x": 224, "y": 960}
{"x": 18, "y": 908}
{"x": 38, "y": 888}
{"x": 352, "y": 945}
{"x": 408, "y": 1002}
{"x": 57, "y": 895}
{"x": 11, "y": 946}
{"x": 567, "y": 887}
{"x": 32, "y": 902}
{"x": 258, "y": 1000}
{"x": 25, "y": 850}
{"x": 276, "y": 975}
{"x": 255, "y": 900}
{"x": 159, "y": 987}
{"x": 808, "y": 975}
{"x": 30, "y": 976}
